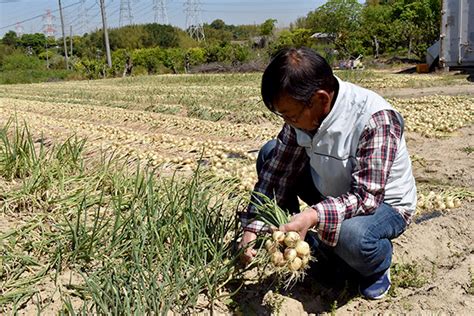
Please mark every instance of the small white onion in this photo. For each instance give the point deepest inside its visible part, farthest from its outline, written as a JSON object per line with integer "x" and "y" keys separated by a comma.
{"x": 302, "y": 248}
{"x": 277, "y": 259}
{"x": 295, "y": 264}
{"x": 291, "y": 239}
{"x": 290, "y": 254}
{"x": 271, "y": 246}
{"x": 278, "y": 236}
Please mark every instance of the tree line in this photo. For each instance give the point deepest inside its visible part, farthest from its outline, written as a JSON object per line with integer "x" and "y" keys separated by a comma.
{"x": 339, "y": 29}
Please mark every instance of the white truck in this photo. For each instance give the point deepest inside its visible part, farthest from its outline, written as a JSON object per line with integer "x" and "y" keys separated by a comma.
{"x": 455, "y": 47}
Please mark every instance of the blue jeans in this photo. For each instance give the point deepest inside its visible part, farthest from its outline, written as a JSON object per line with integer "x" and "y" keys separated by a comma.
{"x": 364, "y": 241}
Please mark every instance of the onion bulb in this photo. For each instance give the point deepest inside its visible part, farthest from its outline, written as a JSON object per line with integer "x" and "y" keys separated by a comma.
{"x": 271, "y": 246}
{"x": 290, "y": 254}
{"x": 457, "y": 202}
{"x": 278, "y": 236}
{"x": 302, "y": 248}
{"x": 450, "y": 203}
{"x": 277, "y": 258}
{"x": 291, "y": 239}
{"x": 295, "y": 264}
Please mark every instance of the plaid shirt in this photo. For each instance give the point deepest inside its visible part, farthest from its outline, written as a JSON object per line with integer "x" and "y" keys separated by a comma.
{"x": 375, "y": 155}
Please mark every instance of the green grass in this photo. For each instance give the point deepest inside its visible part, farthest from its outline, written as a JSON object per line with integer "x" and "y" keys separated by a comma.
{"x": 468, "y": 149}
{"x": 406, "y": 275}
{"x": 136, "y": 242}
{"x": 35, "y": 76}
{"x": 470, "y": 286}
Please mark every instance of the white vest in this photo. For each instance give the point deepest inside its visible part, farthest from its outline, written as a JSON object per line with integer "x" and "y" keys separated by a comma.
{"x": 332, "y": 150}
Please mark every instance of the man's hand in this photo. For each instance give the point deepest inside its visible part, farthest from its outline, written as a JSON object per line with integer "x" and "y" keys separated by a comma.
{"x": 249, "y": 253}
{"x": 302, "y": 222}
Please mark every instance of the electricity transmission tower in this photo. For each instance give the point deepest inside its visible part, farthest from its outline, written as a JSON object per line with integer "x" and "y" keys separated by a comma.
{"x": 161, "y": 15}
{"x": 48, "y": 26}
{"x": 125, "y": 12}
{"x": 19, "y": 29}
{"x": 193, "y": 19}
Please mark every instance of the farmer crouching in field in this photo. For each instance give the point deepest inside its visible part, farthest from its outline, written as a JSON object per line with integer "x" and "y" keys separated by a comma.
{"x": 342, "y": 151}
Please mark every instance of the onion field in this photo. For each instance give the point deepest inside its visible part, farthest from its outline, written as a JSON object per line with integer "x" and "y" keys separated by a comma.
{"x": 119, "y": 196}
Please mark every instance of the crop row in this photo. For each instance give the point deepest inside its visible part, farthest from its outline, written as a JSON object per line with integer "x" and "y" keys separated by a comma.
{"x": 99, "y": 237}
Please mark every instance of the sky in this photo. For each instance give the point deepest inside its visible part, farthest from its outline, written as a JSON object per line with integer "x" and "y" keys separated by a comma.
{"x": 31, "y": 15}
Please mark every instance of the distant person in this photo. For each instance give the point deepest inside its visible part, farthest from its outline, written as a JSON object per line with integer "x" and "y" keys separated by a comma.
{"x": 342, "y": 151}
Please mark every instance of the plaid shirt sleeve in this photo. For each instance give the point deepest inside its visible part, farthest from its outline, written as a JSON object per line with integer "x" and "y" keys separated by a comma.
{"x": 277, "y": 175}
{"x": 375, "y": 155}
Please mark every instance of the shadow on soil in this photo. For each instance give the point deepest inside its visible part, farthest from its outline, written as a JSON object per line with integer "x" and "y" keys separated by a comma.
{"x": 329, "y": 284}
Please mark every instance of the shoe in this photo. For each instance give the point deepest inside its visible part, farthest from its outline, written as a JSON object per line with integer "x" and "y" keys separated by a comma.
{"x": 375, "y": 287}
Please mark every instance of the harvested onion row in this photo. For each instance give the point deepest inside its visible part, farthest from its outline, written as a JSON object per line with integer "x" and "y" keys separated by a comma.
{"x": 437, "y": 201}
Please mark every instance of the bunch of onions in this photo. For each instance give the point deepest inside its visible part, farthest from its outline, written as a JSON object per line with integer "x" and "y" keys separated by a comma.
{"x": 288, "y": 254}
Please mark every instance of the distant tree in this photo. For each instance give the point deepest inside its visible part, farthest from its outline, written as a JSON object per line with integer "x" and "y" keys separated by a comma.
{"x": 419, "y": 22}
{"x": 127, "y": 37}
{"x": 335, "y": 16}
{"x": 244, "y": 32}
{"x": 218, "y": 24}
{"x": 293, "y": 38}
{"x": 150, "y": 58}
{"x": 195, "y": 56}
{"x": 10, "y": 38}
{"x": 161, "y": 35}
{"x": 5, "y": 50}
{"x": 174, "y": 59}
{"x": 340, "y": 18}
{"x": 217, "y": 35}
{"x": 184, "y": 40}
{"x": 34, "y": 43}
{"x": 375, "y": 28}
{"x": 267, "y": 27}
{"x": 19, "y": 61}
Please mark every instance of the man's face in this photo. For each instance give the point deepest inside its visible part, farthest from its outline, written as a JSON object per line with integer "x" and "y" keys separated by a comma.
{"x": 303, "y": 116}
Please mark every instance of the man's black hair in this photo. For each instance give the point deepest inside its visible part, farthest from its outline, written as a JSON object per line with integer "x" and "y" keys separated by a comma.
{"x": 298, "y": 72}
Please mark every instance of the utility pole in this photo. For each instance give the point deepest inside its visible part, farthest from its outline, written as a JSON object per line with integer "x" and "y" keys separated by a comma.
{"x": 70, "y": 39}
{"x": 48, "y": 30}
{"x": 47, "y": 54}
{"x": 64, "y": 34}
{"x": 106, "y": 34}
